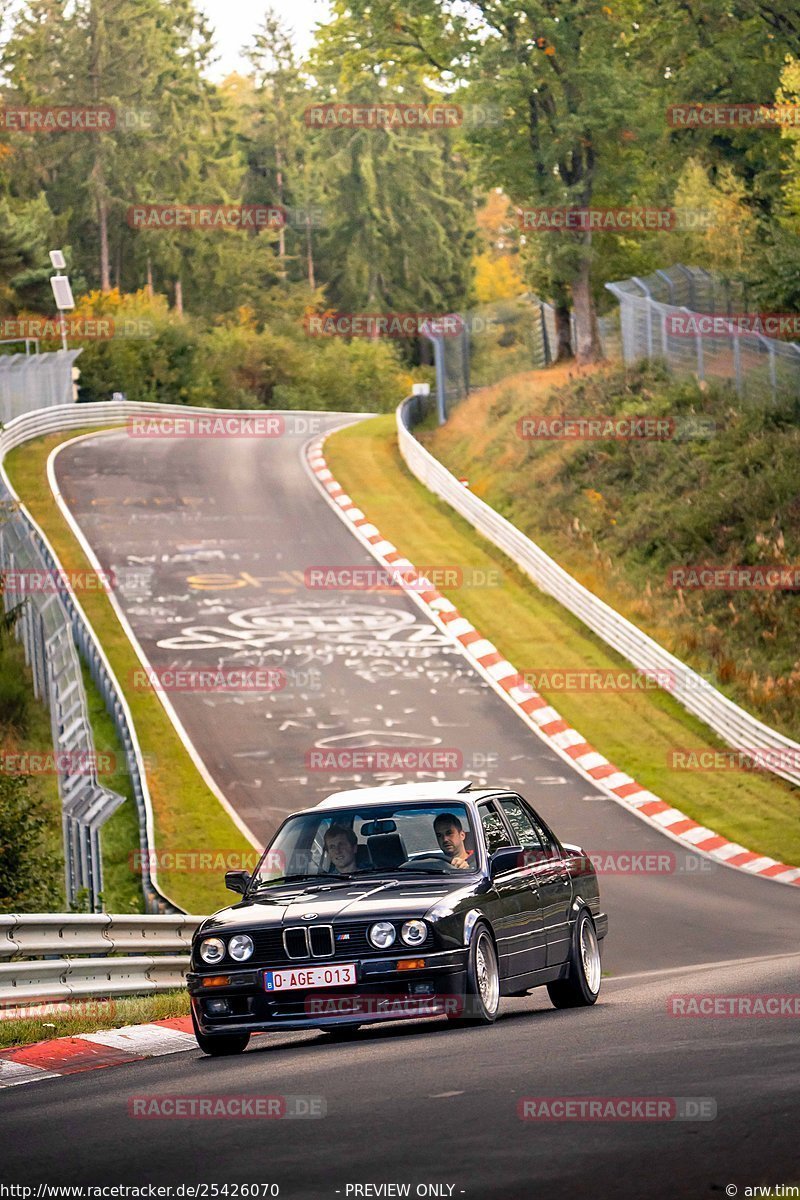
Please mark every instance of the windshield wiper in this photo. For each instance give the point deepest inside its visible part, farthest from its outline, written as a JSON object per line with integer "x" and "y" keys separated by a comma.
{"x": 419, "y": 871}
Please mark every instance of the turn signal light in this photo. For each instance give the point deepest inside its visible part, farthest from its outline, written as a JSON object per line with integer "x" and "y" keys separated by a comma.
{"x": 216, "y": 981}
{"x": 410, "y": 964}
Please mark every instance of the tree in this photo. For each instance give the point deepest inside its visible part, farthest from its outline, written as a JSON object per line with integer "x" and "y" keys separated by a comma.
{"x": 400, "y": 224}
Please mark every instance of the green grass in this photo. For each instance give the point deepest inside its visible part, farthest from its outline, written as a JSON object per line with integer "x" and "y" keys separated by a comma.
{"x": 119, "y": 837}
{"x": 187, "y": 815}
{"x": 36, "y": 738}
{"x": 92, "y": 1015}
{"x": 620, "y": 514}
{"x": 636, "y": 730}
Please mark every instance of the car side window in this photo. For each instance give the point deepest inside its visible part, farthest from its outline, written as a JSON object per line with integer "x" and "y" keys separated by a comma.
{"x": 522, "y": 824}
{"x": 493, "y": 828}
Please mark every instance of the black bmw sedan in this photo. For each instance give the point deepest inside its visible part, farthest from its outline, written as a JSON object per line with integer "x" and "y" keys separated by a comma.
{"x": 407, "y": 901}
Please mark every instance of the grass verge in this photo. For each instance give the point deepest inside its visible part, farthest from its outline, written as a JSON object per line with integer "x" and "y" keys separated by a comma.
{"x": 45, "y": 878}
{"x": 637, "y": 730}
{"x": 89, "y": 1016}
{"x": 187, "y": 815}
{"x": 119, "y": 837}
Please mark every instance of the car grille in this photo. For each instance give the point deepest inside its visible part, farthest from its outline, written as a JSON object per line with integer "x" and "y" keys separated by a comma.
{"x": 274, "y": 947}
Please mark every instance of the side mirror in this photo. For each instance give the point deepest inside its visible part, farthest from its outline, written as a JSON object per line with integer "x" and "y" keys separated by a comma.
{"x": 509, "y": 858}
{"x": 237, "y": 881}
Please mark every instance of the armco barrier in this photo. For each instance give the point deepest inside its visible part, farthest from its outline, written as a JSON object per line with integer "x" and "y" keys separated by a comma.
{"x": 162, "y": 942}
{"x": 50, "y": 635}
{"x": 735, "y": 726}
{"x": 89, "y": 805}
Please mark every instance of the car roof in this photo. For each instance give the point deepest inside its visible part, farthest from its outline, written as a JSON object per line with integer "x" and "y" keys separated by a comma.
{"x": 440, "y": 789}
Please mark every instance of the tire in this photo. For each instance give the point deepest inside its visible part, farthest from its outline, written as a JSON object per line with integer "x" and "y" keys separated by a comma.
{"x": 582, "y": 985}
{"x": 222, "y": 1044}
{"x": 482, "y": 993}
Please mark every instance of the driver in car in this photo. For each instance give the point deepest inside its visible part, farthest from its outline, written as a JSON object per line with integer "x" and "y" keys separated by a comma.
{"x": 341, "y": 843}
{"x": 452, "y": 838}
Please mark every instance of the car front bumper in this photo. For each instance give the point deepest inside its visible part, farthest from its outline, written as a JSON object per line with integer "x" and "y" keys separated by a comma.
{"x": 382, "y": 992}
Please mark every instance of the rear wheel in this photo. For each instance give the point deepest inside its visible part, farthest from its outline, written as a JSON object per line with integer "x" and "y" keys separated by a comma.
{"x": 482, "y": 993}
{"x": 222, "y": 1043}
{"x": 582, "y": 985}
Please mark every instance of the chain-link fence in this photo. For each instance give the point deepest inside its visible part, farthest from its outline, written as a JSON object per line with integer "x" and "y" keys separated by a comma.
{"x": 45, "y": 631}
{"x": 53, "y": 629}
{"x": 703, "y": 325}
{"x": 30, "y": 381}
{"x": 495, "y": 341}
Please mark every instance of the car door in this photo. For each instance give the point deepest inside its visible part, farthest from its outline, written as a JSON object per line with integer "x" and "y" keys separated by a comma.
{"x": 521, "y": 923}
{"x": 549, "y": 870}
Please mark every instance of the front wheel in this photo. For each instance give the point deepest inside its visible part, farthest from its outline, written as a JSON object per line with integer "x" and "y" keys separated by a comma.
{"x": 582, "y": 985}
{"x": 482, "y": 993}
{"x": 222, "y": 1044}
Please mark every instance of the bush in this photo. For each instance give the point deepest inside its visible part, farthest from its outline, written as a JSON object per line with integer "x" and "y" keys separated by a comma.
{"x": 29, "y": 876}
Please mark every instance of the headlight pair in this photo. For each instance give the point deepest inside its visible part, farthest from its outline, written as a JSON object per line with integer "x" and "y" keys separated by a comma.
{"x": 383, "y": 934}
{"x": 240, "y": 948}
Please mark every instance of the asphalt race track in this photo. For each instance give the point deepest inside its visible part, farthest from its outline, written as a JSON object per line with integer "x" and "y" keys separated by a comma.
{"x": 211, "y": 540}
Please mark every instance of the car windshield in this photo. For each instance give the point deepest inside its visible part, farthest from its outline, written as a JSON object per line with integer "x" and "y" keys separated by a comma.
{"x": 341, "y": 843}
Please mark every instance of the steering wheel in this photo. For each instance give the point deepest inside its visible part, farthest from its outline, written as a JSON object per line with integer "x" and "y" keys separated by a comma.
{"x": 435, "y": 855}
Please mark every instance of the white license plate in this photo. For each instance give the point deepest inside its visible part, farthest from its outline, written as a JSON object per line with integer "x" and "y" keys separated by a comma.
{"x": 342, "y": 975}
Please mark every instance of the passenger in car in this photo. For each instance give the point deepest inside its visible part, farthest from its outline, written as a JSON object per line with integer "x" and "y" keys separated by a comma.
{"x": 452, "y": 838}
{"x": 343, "y": 849}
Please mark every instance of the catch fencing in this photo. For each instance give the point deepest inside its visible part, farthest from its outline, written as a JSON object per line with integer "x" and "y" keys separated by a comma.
{"x": 660, "y": 319}
{"x": 53, "y": 627}
{"x": 33, "y": 381}
{"x": 64, "y": 956}
{"x": 738, "y": 728}
{"x": 492, "y": 342}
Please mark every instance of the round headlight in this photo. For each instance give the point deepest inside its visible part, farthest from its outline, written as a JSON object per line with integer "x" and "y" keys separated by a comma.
{"x": 212, "y": 950}
{"x": 382, "y": 934}
{"x": 240, "y": 947}
{"x": 414, "y": 933}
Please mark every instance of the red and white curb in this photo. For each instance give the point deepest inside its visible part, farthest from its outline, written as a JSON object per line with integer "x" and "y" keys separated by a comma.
{"x": 533, "y": 708}
{"x": 90, "y": 1051}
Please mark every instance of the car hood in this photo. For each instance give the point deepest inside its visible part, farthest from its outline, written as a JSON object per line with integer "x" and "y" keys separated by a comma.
{"x": 349, "y": 900}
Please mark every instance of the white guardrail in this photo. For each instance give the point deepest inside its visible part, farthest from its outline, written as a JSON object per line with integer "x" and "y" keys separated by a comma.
{"x": 72, "y": 956}
{"x": 738, "y": 728}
